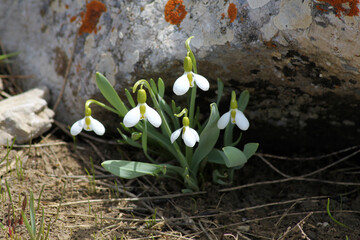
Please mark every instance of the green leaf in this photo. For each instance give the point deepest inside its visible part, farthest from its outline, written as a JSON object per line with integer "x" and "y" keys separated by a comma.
{"x": 234, "y": 157}
{"x": 4, "y": 56}
{"x": 216, "y": 156}
{"x": 32, "y": 213}
{"x": 250, "y": 149}
{"x": 161, "y": 87}
{"x": 130, "y": 98}
{"x": 153, "y": 86}
{"x": 243, "y": 100}
{"x": 110, "y": 94}
{"x": 130, "y": 169}
{"x": 220, "y": 86}
{"x": 208, "y": 138}
{"x": 27, "y": 225}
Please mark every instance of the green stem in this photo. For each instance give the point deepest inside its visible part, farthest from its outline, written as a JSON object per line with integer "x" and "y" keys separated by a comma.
{"x": 90, "y": 101}
{"x": 179, "y": 156}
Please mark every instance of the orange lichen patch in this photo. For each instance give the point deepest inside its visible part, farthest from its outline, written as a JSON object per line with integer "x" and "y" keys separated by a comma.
{"x": 344, "y": 7}
{"x": 73, "y": 18}
{"x": 94, "y": 9}
{"x": 232, "y": 12}
{"x": 174, "y": 12}
{"x": 66, "y": 6}
{"x": 222, "y": 16}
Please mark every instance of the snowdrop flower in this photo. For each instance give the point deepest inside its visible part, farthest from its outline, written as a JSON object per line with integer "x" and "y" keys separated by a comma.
{"x": 233, "y": 116}
{"x": 142, "y": 111}
{"x": 185, "y": 81}
{"x": 189, "y": 135}
{"x": 88, "y": 123}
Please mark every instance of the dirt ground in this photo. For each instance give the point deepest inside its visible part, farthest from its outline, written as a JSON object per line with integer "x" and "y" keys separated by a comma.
{"x": 82, "y": 201}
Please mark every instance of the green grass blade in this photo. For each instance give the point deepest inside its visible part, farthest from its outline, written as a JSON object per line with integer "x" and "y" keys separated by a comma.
{"x": 32, "y": 213}
{"x": 4, "y": 56}
{"x": 332, "y": 218}
{"x": 27, "y": 225}
{"x": 110, "y": 94}
{"x": 41, "y": 229}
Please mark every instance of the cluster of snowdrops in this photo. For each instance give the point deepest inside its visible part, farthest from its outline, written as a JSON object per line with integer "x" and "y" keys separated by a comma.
{"x": 161, "y": 146}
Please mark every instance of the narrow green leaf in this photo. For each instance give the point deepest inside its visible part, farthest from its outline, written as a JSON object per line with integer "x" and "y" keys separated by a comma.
{"x": 250, "y": 149}
{"x": 243, "y": 100}
{"x": 130, "y": 169}
{"x": 169, "y": 113}
{"x": 161, "y": 87}
{"x": 153, "y": 86}
{"x": 27, "y": 225}
{"x": 332, "y": 218}
{"x": 234, "y": 157}
{"x": 220, "y": 86}
{"x": 4, "y": 56}
{"x": 41, "y": 229}
{"x": 208, "y": 138}
{"x": 110, "y": 94}
{"x": 216, "y": 156}
{"x": 32, "y": 213}
{"x": 130, "y": 98}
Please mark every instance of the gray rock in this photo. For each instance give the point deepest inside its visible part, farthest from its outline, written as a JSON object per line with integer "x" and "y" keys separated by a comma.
{"x": 25, "y": 116}
{"x": 292, "y": 57}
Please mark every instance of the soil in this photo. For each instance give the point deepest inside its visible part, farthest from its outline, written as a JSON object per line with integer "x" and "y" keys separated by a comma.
{"x": 82, "y": 201}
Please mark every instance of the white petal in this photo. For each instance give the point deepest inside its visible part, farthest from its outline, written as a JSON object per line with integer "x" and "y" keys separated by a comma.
{"x": 224, "y": 120}
{"x": 175, "y": 135}
{"x": 201, "y": 82}
{"x": 132, "y": 117}
{"x": 181, "y": 85}
{"x": 241, "y": 120}
{"x": 77, "y": 127}
{"x": 189, "y": 138}
{"x": 97, "y": 126}
{"x": 196, "y": 135}
{"x": 153, "y": 116}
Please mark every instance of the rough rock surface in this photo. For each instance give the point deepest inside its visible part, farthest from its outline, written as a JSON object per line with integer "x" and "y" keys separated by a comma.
{"x": 25, "y": 116}
{"x": 297, "y": 58}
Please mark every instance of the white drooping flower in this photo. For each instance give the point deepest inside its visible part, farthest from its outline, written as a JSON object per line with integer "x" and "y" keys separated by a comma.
{"x": 142, "y": 111}
{"x": 235, "y": 116}
{"x": 185, "y": 81}
{"x": 87, "y": 123}
{"x": 189, "y": 135}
